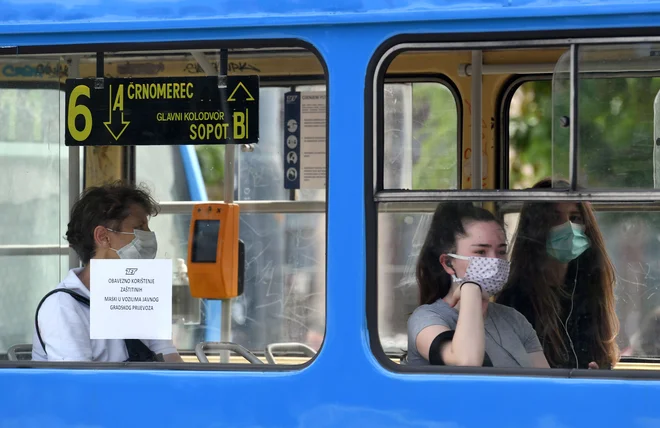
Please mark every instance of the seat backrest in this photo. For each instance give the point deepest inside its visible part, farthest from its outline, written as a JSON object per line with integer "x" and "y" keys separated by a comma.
{"x": 224, "y": 346}
{"x": 287, "y": 347}
{"x": 22, "y": 351}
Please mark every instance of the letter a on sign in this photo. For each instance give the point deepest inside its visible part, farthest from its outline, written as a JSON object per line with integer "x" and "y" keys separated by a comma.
{"x": 120, "y": 124}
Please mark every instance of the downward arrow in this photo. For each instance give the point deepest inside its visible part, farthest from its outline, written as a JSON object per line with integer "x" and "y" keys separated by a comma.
{"x": 118, "y": 127}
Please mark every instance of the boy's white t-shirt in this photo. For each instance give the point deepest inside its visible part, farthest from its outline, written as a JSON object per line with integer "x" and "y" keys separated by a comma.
{"x": 64, "y": 328}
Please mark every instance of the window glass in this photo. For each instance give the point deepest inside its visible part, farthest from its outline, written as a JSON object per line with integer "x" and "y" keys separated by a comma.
{"x": 581, "y": 274}
{"x": 421, "y": 136}
{"x": 284, "y": 298}
{"x": 632, "y": 240}
{"x": 284, "y": 282}
{"x": 34, "y": 200}
{"x": 617, "y": 92}
{"x": 530, "y": 132}
{"x": 617, "y": 139}
{"x": 629, "y": 251}
{"x": 400, "y": 239}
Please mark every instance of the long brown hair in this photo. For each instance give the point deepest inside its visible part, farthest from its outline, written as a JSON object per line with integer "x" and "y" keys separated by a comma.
{"x": 448, "y": 224}
{"x": 595, "y": 272}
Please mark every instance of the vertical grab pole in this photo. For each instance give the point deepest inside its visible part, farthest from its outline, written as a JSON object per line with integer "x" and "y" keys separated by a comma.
{"x": 575, "y": 130}
{"x": 225, "y": 312}
{"x": 477, "y": 175}
{"x": 230, "y": 154}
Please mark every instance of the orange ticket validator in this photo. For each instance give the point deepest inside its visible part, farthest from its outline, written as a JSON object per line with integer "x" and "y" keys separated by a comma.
{"x": 215, "y": 254}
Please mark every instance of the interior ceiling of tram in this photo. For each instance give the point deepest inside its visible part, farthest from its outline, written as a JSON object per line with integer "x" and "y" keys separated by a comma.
{"x": 302, "y": 62}
{"x": 267, "y": 63}
{"x": 290, "y": 62}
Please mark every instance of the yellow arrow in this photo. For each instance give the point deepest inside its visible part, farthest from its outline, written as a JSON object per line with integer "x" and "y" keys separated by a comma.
{"x": 241, "y": 85}
{"x": 108, "y": 124}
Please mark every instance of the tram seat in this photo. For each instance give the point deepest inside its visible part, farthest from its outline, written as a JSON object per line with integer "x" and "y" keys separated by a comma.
{"x": 20, "y": 352}
{"x": 202, "y": 347}
{"x": 287, "y": 347}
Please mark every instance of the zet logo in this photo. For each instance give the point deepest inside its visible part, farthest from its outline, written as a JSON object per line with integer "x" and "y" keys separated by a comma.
{"x": 131, "y": 271}
{"x": 291, "y": 99}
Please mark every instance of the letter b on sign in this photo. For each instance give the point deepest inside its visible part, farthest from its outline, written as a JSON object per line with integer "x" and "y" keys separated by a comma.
{"x": 240, "y": 125}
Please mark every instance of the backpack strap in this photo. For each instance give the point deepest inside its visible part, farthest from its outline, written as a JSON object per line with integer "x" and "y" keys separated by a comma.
{"x": 137, "y": 350}
{"x": 82, "y": 299}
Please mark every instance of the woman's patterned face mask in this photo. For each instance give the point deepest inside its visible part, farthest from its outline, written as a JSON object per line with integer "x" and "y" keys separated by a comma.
{"x": 489, "y": 272}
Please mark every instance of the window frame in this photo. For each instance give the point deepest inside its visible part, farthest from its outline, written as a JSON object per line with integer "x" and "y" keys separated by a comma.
{"x": 444, "y": 80}
{"x": 509, "y": 89}
{"x": 77, "y": 162}
{"x": 504, "y": 105}
{"x": 375, "y": 194}
{"x": 215, "y": 45}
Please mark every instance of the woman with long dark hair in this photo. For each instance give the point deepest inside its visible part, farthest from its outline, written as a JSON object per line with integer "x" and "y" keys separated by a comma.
{"x": 461, "y": 265}
{"x": 563, "y": 282}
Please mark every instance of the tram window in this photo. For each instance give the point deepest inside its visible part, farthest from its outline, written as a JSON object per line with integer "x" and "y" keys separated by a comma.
{"x": 631, "y": 244}
{"x": 284, "y": 279}
{"x": 632, "y": 241}
{"x": 617, "y": 138}
{"x": 257, "y": 167}
{"x": 530, "y": 133}
{"x": 34, "y": 168}
{"x": 421, "y": 136}
{"x": 284, "y": 297}
{"x": 616, "y": 241}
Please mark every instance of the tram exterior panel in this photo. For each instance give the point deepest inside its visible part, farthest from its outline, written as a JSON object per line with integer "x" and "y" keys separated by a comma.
{"x": 352, "y": 380}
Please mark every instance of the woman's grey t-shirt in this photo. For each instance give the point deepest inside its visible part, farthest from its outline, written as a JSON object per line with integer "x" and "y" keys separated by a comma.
{"x": 510, "y": 338}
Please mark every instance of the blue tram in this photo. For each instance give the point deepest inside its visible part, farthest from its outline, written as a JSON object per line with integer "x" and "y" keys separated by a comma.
{"x": 421, "y": 99}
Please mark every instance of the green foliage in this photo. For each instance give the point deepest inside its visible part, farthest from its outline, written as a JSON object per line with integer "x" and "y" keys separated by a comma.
{"x": 212, "y": 164}
{"x": 435, "y": 130}
{"x": 616, "y": 132}
{"x": 530, "y": 130}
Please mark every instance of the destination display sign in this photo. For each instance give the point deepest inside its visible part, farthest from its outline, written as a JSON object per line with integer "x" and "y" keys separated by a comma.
{"x": 162, "y": 111}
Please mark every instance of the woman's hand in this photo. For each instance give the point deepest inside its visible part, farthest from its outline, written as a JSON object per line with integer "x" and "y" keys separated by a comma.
{"x": 471, "y": 286}
{"x": 593, "y": 365}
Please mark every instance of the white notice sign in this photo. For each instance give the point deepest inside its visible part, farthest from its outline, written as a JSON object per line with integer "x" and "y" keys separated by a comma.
{"x": 131, "y": 299}
{"x": 304, "y": 140}
{"x": 312, "y": 140}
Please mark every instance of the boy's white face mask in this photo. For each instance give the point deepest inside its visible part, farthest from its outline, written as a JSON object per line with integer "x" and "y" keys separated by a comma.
{"x": 143, "y": 246}
{"x": 489, "y": 272}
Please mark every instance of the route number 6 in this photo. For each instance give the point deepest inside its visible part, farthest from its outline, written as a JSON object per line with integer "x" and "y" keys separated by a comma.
{"x": 79, "y": 110}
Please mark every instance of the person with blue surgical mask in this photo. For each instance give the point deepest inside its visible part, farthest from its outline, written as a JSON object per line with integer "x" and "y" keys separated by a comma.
{"x": 562, "y": 280}
{"x": 107, "y": 222}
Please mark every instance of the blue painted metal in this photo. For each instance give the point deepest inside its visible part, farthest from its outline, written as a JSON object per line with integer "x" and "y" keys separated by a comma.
{"x": 345, "y": 386}
{"x": 194, "y": 178}
{"x": 89, "y": 14}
